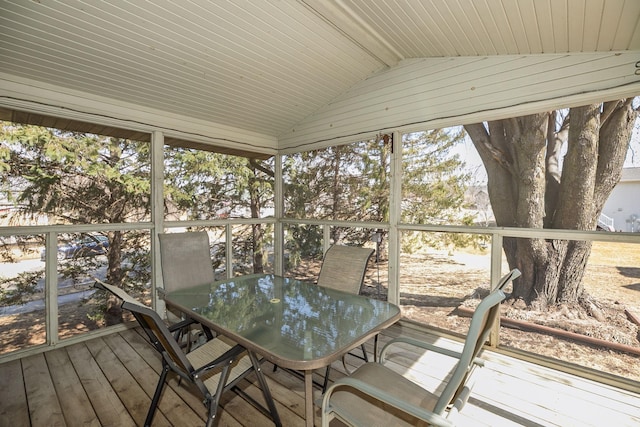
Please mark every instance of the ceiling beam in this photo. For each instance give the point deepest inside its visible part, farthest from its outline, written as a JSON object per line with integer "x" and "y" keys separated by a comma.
{"x": 352, "y": 26}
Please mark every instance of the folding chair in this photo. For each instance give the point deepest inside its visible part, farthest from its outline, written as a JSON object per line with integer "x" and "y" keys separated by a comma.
{"x": 343, "y": 268}
{"x": 214, "y": 367}
{"x": 185, "y": 262}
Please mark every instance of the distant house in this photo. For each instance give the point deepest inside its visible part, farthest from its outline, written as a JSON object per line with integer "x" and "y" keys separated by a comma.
{"x": 479, "y": 206}
{"x": 623, "y": 205}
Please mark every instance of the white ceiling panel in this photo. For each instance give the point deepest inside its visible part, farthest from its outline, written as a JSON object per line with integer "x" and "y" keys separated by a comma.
{"x": 266, "y": 65}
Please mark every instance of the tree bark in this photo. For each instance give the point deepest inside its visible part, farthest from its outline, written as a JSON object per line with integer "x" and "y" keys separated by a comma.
{"x": 115, "y": 276}
{"x": 530, "y": 185}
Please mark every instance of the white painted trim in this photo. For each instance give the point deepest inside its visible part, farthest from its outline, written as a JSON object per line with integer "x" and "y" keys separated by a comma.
{"x": 157, "y": 218}
{"x": 51, "y": 290}
{"x": 431, "y": 93}
{"x": 346, "y": 20}
{"x": 32, "y": 96}
{"x": 278, "y": 247}
{"x": 395, "y": 216}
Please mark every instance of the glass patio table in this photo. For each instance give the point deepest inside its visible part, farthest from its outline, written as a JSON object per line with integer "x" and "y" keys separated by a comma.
{"x": 293, "y": 324}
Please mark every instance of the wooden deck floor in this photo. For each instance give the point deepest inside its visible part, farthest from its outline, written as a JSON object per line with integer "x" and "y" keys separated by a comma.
{"x": 108, "y": 381}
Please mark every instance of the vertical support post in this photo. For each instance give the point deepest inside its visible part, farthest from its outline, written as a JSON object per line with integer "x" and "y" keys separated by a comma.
{"x": 157, "y": 216}
{"x": 51, "y": 288}
{"x": 228, "y": 246}
{"x": 326, "y": 238}
{"x": 496, "y": 274}
{"x": 278, "y": 238}
{"x": 394, "y": 218}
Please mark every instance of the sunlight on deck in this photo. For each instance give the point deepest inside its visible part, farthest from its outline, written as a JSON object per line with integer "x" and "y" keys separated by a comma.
{"x": 109, "y": 381}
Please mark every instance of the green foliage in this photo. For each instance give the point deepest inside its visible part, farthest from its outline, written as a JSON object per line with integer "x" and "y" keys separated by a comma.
{"x": 19, "y": 290}
{"x": 433, "y": 182}
{"x": 348, "y": 183}
{"x": 302, "y": 241}
{"x": 352, "y": 183}
{"x": 203, "y": 185}
{"x": 76, "y": 178}
{"x": 433, "y": 188}
{"x": 207, "y": 185}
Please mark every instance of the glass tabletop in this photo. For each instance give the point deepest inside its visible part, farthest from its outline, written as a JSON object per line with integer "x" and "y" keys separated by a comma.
{"x": 291, "y": 320}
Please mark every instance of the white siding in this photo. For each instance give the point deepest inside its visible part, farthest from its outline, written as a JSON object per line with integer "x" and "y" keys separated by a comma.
{"x": 623, "y": 205}
{"x": 418, "y": 94}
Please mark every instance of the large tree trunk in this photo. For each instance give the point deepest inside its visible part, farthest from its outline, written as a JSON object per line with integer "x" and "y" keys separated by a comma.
{"x": 257, "y": 231}
{"x": 531, "y": 186}
{"x": 115, "y": 277}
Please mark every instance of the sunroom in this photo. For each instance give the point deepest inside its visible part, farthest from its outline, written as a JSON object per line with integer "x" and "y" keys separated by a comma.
{"x": 339, "y": 114}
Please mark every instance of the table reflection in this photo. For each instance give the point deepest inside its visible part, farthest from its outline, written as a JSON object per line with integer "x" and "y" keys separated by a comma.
{"x": 293, "y": 319}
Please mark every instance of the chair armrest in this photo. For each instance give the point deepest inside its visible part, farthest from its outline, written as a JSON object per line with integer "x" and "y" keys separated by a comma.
{"x": 183, "y": 323}
{"x": 420, "y": 344}
{"x": 426, "y": 346}
{"x": 383, "y": 396}
{"x": 226, "y": 358}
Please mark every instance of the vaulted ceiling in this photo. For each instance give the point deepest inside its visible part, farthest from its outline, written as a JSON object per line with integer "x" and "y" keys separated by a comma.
{"x": 264, "y": 66}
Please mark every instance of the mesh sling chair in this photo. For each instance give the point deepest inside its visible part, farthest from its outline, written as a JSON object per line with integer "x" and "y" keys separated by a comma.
{"x": 186, "y": 262}
{"x": 377, "y": 395}
{"x": 343, "y": 268}
{"x": 214, "y": 367}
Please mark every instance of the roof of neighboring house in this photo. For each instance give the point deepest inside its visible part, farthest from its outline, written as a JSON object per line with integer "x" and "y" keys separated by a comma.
{"x": 630, "y": 174}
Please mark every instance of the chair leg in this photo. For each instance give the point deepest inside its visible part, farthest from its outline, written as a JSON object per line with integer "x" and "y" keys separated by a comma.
{"x": 212, "y": 419}
{"x": 265, "y": 389}
{"x": 214, "y": 400}
{"x": 325, "y": 384}
{"x": 365, "y": 356}
{"x": 156, "y": 395}
{"x": 207, "y": 333}
{"x": 186, "y": 332}
{"x": 375, "y": 348}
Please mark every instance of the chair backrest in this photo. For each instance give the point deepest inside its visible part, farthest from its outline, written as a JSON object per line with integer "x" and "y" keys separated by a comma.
{"x": 156, "y": 330}
{"x": 117, "y": 292}
{"x": 482, "y": 321}
{"x": 160, "y": 337}
{"x": 508, "y": 278}
{"x": 186, "y": 260}
{"x": 344, "y": 268}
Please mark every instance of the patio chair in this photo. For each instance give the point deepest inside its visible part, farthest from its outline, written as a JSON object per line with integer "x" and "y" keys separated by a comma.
{"x": 343, "y": 268}
{"x": 377, "y": 395}
{"x": 185, "y": 262}
{"x": 214, "y": 367}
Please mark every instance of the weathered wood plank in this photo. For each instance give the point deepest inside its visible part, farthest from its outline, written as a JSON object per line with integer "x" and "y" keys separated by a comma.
{"x": 116, "y": 373}
{"x": 108, "y": 407}
{"x": 152, "y": 359}
{"x": 14, "y": 409}
{"x": 128, "y": 390}
{"x": 39, "y": 388}
{"x": 171, "y": 405}
{"x": 75, "y": 404}
{"x": 288, "y": 392}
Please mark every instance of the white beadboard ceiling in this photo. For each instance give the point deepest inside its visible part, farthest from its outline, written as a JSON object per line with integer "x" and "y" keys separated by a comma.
{"x": 264, "y": 66}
